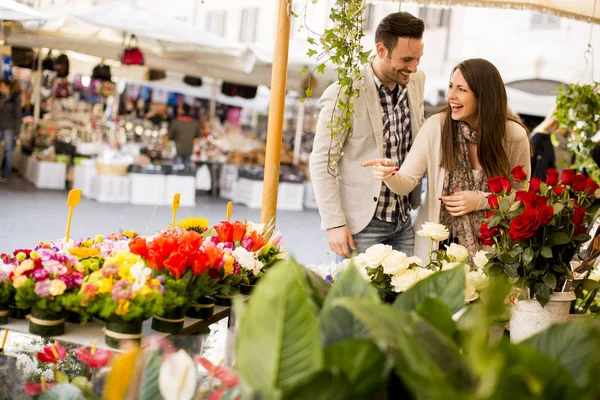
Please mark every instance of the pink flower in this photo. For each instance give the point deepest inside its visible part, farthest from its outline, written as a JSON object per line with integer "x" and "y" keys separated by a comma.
{"x": 55, "y": 268}
{"x": 40, "y": 274}
{"x": 109, "y": 270}
{"x": 67, "y": 280}
{"x": 42, "y": 288}
{"x": 34, "y": 389}
{"x": 121, "y": 290}
{"x": 247, "y": 243}
{"x": 96, "y": 360}
{"x": 51, "y": 354}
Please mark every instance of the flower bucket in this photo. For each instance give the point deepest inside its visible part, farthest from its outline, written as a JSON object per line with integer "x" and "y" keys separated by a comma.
{"x": 528, "y": 317}
{"x": 223, "y": 300}
{"x": 246, "y": 289}
{"x": 203, "y": 309}
{"x": 46, "y": 323}
{"x": 117, "y": 329}
{"x": 4, "y": 310}
{"x": 16, "y": 312}
{"x": 73, "y": 317}
{"x": 169, "y": 322}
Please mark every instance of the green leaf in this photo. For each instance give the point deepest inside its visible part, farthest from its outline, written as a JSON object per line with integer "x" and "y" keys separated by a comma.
{"x": 308, "y": 92}
{"x": 515, "y": 206}
{"x": 362, "y": 363}
{"x": 279, "y": 327}
{"x": 322, "y": 385}
{"x": 321, "y": 68}
{"x": 546, "y": 252}
{"x": 574, "y": 345}
{"x": 149, "y": 389}
{"x": 504, "y": 204}
{"x": 550, "y": 280}
{"x": 558, "y": 238}
{"x": 311, "y": 52}
{"x": 337, "y": 323}
{"x": 584, "y": 237}
{"x": 558, "y": 207}
{"x": 528, "y": 255}
{"x": 542, "y": 293}
{"x": 438, "y": 315}
{"x": 447, "y": 286}
{"x": 495, "y": 220}
{"x": 64, "y": 391}
{"x": 310, "y": 40}
{"x": 303, "y": 71}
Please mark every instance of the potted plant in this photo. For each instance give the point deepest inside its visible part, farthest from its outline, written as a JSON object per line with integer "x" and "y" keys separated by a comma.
{"x": 123, "y": 294}
{"x": 534, "y": 233}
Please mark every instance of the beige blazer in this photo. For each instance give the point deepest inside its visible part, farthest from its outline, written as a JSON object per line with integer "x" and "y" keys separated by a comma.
{"x": 425, "y": 156}
{"x": 352, "y": 199}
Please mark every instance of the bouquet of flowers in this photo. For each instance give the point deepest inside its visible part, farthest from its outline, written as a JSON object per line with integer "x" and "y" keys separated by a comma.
{"x": 124, "y": 294}
{"x": 7, "y": 291}
{"x": 392, "y": 272}
{"x": 535, "y": 232}
{"x": 47, "y": 282}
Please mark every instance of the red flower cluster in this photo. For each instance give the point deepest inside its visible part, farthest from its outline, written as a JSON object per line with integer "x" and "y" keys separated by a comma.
{"x": 52, "y": 354}
{"x": 228, "y": 232}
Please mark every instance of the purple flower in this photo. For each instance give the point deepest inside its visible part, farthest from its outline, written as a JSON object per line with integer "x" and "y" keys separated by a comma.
{"x": 77, "y": 279}
{"x": 40, "y": 274}
{"x": 247, "y": 243}
{"x": 42, "y": 288}
{"x": 54, "y": 267}
{"x": 161, "y": 278}
{"x": 162, "y": 289}
{"x": 67, "y": 280}
{"x": 329, "y": 278}
{"x": 121, "y": 290}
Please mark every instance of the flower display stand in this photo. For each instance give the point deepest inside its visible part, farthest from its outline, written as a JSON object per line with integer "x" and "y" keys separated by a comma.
{"x": 110, "y": 189}
{"x": 148, "y": 189}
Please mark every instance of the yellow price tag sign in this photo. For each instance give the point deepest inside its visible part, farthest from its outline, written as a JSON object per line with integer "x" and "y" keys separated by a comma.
{"x": 72, "y": 201}
{"x": 229, "y": 208}
{"x": 175, "y": 206}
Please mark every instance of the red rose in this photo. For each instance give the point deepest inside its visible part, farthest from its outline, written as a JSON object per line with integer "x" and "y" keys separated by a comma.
{"x": 493, "y": 201}
{"x": 495, "y": 184}
{"x": 520, "y": 196}
{"x": 551, "y": 177}
{"x": 546, "y": 214}
{"x": 578, "y": 215}
{"x": 531, "y": 200}
{"x": 591, "y": 186}
{"x": 487, "y": 235}
{"x": 239, "y": 230}
{"x": 534, "y": 184}
{"x": 568, "y": 176}
{"x": 490, "y": 214}
{"x": 486, "y": 242}
{"x": 579, "y": 230}
{"x": 524, "y": 226}
{"x": 518, "y": 173}
{"x": 224, "y": 232}
{"x": 558, "y": 190}
{"x": 579, "y": 182}
{"x": 505, "y": 184}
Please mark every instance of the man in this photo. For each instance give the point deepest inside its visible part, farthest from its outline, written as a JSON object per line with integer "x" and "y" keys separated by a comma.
{"x": 183, "y": 131}
{"x": 356, "y": 210}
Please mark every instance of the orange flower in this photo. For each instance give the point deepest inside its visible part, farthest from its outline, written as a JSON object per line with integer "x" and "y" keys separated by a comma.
{"x": 84, "y": 252}
{"x": 192, "y": 239}
{"x": 224, "y": 231}
{"x": 214, "y": 256}
{"x": 239, "y": 230}
{"x": 199, "y": 263}
{"x": 259, "y": 242}
{"x": 139, "y": 246}
{"x": 176, "y": 264}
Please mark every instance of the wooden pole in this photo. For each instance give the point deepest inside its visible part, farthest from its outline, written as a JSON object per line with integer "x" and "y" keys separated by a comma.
{"x": 276, "y": 111}
{"x": 37, "y": 91}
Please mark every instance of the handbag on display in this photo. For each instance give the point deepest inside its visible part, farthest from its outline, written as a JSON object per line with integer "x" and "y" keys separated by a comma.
{"x": 22, "y": 57}
{"x": 101, "y": 72}
{"x": 192, "y": 80}
{"x": 132, "y": 55}
{"x": 107, "y": 89}
{"x": 243, "y": 91}
{"x": 62, "y": 90}
{"x": 61, "y": 66}
{"x": 156, "y": 74}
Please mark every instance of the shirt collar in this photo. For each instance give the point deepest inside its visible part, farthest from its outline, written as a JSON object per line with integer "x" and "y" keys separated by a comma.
{"x": 378, "y": 83}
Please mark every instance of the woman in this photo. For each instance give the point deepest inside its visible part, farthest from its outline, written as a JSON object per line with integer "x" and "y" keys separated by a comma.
{"x": 544, "y": 154}
{"x": 10, "y": 121}
{"x": 472, "y": 140}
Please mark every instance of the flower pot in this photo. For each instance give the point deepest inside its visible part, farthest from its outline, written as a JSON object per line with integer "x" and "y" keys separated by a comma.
{"x": 577, "y": 317}
{"x": 73, "y": 317}
{"x": 528, "y": 317}
{"x": 246, "y": 289}
{"x": 202, "y": 309}
{"x": 169, "y": 322}
{"x": 16, "y": 312}
{"x": 46, "y": 323}
{"x": 117, "y": 329}
{"x": 223, "y": 300}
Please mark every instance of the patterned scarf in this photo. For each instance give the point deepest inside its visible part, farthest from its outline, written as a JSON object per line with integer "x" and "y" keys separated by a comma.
{"x": 464, "y": 229}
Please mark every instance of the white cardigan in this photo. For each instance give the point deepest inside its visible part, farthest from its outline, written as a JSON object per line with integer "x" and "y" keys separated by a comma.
{"x": 425, "y": 156}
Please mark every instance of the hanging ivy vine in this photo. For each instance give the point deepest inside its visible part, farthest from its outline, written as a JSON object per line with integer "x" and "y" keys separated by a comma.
{"x": 578, "y": 110}
{"x": 340, "y": 45}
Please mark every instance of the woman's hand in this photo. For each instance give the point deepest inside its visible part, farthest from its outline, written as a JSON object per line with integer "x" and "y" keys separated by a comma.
{"x": 383, "y": 168}
{"x": 461, "y": 203}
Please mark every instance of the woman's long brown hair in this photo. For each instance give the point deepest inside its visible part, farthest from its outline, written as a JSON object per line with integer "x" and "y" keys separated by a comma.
{"x": 486, "y": 83}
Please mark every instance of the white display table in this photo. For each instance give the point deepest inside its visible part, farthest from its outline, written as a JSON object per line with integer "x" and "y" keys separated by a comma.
{"x": 47, "y": 175}
{"x": 110, "y": 189}
{"x": 185, "y": 185}
{"x": 249, "y": 192}
{"x": 148, "y": 190}
{"x": 83, "y": 178}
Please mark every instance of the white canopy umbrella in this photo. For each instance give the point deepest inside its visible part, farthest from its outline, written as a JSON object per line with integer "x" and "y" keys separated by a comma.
{"x": 584, "y": 10}
{"x": 10, "y": 10}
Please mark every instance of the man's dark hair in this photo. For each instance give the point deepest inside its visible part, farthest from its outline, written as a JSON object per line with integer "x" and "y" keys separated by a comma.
{"x": 186, "y": 109}
{"x": 399, "y": 24}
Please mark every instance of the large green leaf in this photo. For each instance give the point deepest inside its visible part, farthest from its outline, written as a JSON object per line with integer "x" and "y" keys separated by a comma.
{"x": 279, "y": 331}
{"x": 325, "y": 385}
{"x": 438, "y": 315}
{"x": 362, "y": 363}
{"x": 337, "y": 323}
{"x": 448, "y": 286}
{"x": 149, "y": 389}
{"x": 65, "y": 391}
{"x": 575, "y": 345}
{"x": 393, "y": 326}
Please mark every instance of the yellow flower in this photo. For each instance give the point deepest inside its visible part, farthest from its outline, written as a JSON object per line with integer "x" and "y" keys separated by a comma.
{"x": 122, "y": 307}
{"x": 144, "y": 291}
{"x": 125, "y": 260}
{"x": 105, "y": 285}
{"x": 130, "y": 234}
{"x": 99, "y": 238}
{"x": 87, "y": 243}
{"x": 79, "y": 267}
{"x": 193, "y": 224}
{"x": 228, "y": 266}
{"x": 21, "y": 256}
{"x": 57, "y": 287}
{"x": 155, "y": 282}
{"x": 26, "y": 265}
{"x": 84, "y": 252}
{"x": 34, "y": 255}
{"x": 19, "y": 281}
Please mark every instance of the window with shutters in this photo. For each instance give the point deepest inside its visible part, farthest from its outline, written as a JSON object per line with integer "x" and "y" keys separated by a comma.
{"x": 248, "y": 25}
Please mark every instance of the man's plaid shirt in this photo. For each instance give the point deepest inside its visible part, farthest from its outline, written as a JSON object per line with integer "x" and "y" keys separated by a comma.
{"x": 397, "y": 138}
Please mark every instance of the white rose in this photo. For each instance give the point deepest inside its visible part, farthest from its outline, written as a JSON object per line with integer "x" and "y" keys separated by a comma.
{"x": 458, "y": 252}
{"x": 256, "y": 227}
{"x": 361, "y": 263}
{"x": 415, "y": 260}
{"x": 396, "y": 262}
{"x": 447, "y": 266}
{"x": 480, "y": 259}
{"x": 470, "y": 293}
{"x": 422, "y": 273}
{"x": 405, "y": 280}
{"x": 437, "y": 232}
{"x": 478, "y": 279}
{"x": 377, "y": 253}
{"x": 595, "y": 275}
